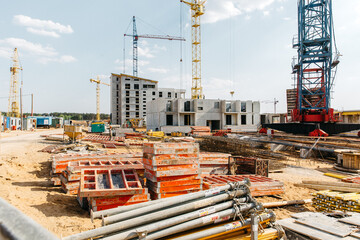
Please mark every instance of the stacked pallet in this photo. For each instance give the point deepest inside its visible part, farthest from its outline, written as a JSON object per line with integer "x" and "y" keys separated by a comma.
{"x": 70, "y": 178}
{"x": 101, "y": 138}
{"x": 260, "y": 185}
{"x": 171, "y": 169}
{"x": 61, "y": 161}
{"x": 330, "y": 200}
{"x": 103, "y": 189}
{"x": 214, "y": 163}
{"x": 200, "y": 131}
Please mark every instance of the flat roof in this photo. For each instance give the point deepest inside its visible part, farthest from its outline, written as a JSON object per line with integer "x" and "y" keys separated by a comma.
{"x": 126, "y": 75}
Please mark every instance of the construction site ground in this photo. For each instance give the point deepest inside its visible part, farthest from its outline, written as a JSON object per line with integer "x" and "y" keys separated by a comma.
{"x": 25, "y": 183}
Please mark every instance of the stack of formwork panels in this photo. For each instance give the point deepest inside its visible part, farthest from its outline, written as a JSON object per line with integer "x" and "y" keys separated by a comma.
{"x": 200, "y": 131}
{"x": 172, "y": 169}
{"x": 70, "y": 178}
{"x": 61, "y": 161}
{"x": 213, "y": 163}
{"x": 103, "y": 189}
{"x": 260, "y": 185}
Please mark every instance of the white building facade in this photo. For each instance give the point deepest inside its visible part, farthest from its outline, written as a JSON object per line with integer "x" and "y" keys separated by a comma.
{"x": 171, "y": 115}
{"x": 129, "y": 96}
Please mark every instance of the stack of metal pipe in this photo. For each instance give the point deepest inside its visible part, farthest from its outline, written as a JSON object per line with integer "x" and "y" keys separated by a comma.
{"x": 165, "y": 217}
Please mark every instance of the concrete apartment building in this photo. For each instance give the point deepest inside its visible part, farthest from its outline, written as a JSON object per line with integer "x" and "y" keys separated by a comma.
{"x": 170, "y": 115}
{"x": 129, "y": 96}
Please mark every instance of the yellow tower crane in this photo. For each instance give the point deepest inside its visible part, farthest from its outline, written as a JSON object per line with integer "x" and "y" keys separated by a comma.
{"x": 98, "y": 82}
{"x": 197, "y": 9}
{"x": 13, "y": 107}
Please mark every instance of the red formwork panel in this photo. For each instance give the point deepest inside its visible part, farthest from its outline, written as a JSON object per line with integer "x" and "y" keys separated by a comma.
{"x": 173, "y": 172}
{"x": 102, "y": 201}
{"x": 173, "y": 189}
{"x": 174, "y": 183}
{"x": 153, "y": 178}
{"x": 171, "y": 148}
{"x": 98, "y": 138}
{"x": 106, "y": 207}
{"x": 355, "y": 179}
{"x": 170, "y": 159}
{"x": 155, "y": 196}
{"x": 260, "y": 185}
{"x": 113, "y": 182}
{"x": 60, "y": 165}
{"x": 99, "y": 164}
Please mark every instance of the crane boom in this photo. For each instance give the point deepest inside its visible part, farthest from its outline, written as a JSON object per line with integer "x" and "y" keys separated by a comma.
{"x": 136, "y": 37}
{"x": 197, "y": 9}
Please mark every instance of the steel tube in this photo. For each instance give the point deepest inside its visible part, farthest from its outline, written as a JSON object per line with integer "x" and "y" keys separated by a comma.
{"x": 143, "y": 218}
{"x": 121, "y": 209}
{"x": 175, "y": 220}
{"x": 196, "y": 204}
{"x": 224, "y": 228}
{"x": 254, "y": 226}
{"x": 15, "y": 225}
{"x": 199, "y": 222}
{"x": 168, "y": 203}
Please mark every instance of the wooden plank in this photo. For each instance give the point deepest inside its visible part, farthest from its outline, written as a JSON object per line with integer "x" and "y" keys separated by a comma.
{"x": 338, "y": 184}
{"x": 330, "y": 227}
{"x": 307, "y": 231}
{"x": 324, "y": 187}
{"x": 354, "y": 220}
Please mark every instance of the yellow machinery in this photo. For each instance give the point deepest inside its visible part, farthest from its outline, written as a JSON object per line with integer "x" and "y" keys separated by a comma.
{"x": 13, "y": 107}
{"x": 72, "y": 132}
{"x": 157, "y": 134}
{"x": 197, "y": 9}
{"x": 98, "y": 82}
{"x": 137, "y": 122}
{"x": 177, "y": 134}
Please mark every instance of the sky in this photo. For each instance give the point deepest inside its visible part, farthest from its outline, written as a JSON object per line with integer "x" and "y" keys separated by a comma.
{"x": 246, "y": 47}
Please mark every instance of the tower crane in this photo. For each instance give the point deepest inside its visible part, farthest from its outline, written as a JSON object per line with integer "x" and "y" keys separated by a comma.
{"x": 197, "y": 9}
{"x": 98, "y": 82}
{"x": 136, "y": 37}
{"x": 13, "y": 107}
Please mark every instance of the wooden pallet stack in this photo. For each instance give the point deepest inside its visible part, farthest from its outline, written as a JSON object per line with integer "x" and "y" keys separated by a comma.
{"x": 103, "y": 189}
{"x": 214, "y": 163}
{"x": 171, "y": 169}
{"x": 328, "y": 201}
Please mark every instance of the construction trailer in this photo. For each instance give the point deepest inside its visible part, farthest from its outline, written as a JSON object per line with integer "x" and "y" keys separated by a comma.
{"x": 179, "y": 115}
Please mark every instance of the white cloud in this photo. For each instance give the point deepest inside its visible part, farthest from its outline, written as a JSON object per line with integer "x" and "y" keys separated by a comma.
{"x": 224, "y": 9}
{"x": 145, "y": 52}
{"x": 266, "y": 13}
{"x": 286, "y": 19}
{"x": 42, "y": 27}
{"x": 157, "y": 70}
{"x": 128, "y": 64}
{"x": 43, "y": 32}
{"x": 43, "y": 54}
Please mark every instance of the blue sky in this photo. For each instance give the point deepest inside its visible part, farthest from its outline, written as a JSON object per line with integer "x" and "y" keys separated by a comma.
{"x": 246, "y": 47}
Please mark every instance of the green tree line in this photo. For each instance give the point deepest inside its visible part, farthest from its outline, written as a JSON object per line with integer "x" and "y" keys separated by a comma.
{"x": 72, "y": 116}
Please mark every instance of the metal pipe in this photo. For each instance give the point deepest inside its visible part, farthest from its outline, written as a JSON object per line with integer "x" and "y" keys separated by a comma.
{"x": 172, "y": 201}
{"x": 224, "y": 228}
{"x": 254, "y": 226}
{"x": 14, "y": 225}
{"x": 143, "y": 218}
{"x": 156, "y": 226}
{"x": 195, "y": 204}
{"x": 121, "y": 209}
{"x": 199, "y": 222}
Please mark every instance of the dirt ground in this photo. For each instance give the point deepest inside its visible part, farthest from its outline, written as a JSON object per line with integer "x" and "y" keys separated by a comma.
{"x": 24, "y": 183}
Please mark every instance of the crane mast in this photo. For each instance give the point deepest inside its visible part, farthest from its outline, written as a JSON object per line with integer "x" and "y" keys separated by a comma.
{"x": 197, "y": 9}
{"x": 315, "y": 62}
{"x": 136, "y": 37}
{"x": 98, "y": 82}
{"x": 13, "y": 106}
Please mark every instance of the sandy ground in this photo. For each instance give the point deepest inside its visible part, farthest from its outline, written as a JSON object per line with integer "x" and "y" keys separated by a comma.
{"x": 24, "y": 182}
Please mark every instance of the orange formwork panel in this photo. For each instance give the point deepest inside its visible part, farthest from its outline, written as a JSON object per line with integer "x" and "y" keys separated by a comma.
{"x": 155, "y": 196}
{"x": 260, "y": 185}
{"x": 171, "y": 189}
{"x": 171, "y": 148}
{"x": 102, "y": 201}
{"x": 174, "y": 183}
{"x": 173, "y": 173}
{"x": 170, "y": 159}
{"x": 113, "y": 182}
{"x": 153, "y": 178}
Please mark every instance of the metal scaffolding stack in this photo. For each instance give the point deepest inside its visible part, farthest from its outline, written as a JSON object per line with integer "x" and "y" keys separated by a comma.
{"x": 172, "y": 169}
{"x": 329, "y": 200}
